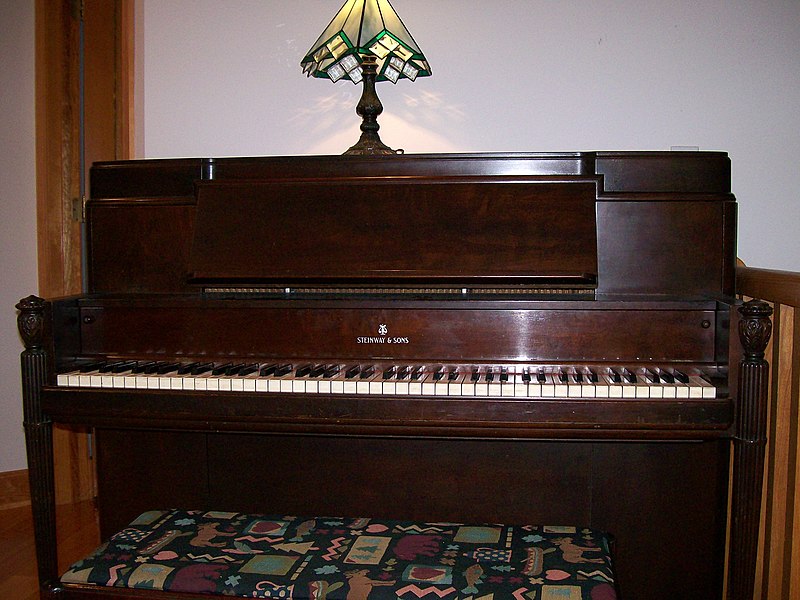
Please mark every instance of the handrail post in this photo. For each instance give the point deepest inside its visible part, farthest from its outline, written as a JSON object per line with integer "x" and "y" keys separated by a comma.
{"x": 755, "y": 328}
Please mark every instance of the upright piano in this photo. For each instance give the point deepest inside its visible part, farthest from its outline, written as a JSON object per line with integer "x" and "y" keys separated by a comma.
{"x": 520, "y": 338}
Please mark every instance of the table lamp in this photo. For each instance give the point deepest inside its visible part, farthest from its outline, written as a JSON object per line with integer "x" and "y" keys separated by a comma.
{"x": 366, "y": 42}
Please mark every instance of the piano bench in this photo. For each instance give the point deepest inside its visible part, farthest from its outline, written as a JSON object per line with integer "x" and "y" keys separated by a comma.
{"x": 256, "y": 556}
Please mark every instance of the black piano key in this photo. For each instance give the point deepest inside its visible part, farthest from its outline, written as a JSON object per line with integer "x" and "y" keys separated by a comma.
{"x": 118, "y": 366}
{"x": 526, "y": 376}
{"x": 417, "y": 373}
{"x": 616, "y": 377}
{"x": 123, "y": 366}
{"x": 235, "y": 369}
{"x": 540, "y": 376}
{"x": 268, "y": 370}
{"x": 476, "y": 375}
{"x": 108, "y": 367}
{"x": 453, "y": 374}
{"x": 562, "y": 376}
{"x": 592, "y": 376}
{"x": 367, "y": 372}
{"x": 680, "y": 376}
{"x": 317, "y": 371}
{"x": 142, "y": 366}
{"x": 91, "y": 366}
{"x": 283, "y": 370}
{"x": 153, "y": 369}
{"x": 489, "y": 376}
{"x": 666, "y": 377}
{"x": 652, "y": 376}
{"x": 630, "y": 376}
{"x": 186, "y": 368}
{"x": 404, "y": 372}
{"x": 247, "y": 370}
{"x": 203, "y": 368}
{"x": 578, "y": 377}
{"x": 303, "y": 370}
{"x": 438, "y": 374}
{"x": 352, "y": 371}
{"x": 331, "y": 371}
{"x": 389, "y": 372}
{"x": 168, "y": 368}
{"x": 221, "y": 369}
{"x": 503, "y": 374}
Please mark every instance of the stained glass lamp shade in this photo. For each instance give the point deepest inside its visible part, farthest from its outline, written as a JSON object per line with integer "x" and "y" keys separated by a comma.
{"x": 366, "y": 42}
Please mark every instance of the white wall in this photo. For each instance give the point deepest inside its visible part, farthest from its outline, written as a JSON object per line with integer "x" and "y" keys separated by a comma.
{"x": 17, "y": 212}
{"x": 223, "y": 78}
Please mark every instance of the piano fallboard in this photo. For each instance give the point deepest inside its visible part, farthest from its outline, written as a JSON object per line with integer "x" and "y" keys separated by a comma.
{"x": 423, "y": 331}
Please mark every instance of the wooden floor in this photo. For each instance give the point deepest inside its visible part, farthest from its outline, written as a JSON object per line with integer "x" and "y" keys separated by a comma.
{"x": 77, "y": 531}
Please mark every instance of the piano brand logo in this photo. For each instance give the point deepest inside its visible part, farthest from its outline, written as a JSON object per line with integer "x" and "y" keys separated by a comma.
{"x": 382, "y": 338}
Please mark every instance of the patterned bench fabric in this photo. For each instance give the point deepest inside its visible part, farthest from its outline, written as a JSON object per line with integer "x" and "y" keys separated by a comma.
{"x": 256, "y": 556}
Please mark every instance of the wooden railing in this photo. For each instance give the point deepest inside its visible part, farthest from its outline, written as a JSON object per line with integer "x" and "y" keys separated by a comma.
{"x": 778, "y": 570}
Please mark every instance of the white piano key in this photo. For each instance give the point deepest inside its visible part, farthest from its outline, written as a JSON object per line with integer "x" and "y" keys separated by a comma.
{"x": 460, "y": 386}
{"x": 428, "y": 385}
{"x": 507, "y": 387}
{"x": 561, "y": 388}
{"x": 299, "y": 385}
{"x": 548, "y": 386}
{"x": 389, "y": 386}
{"x": 655, "y": 388}
{"x": 495, "y": 389}
{"x": 602, "y": 388}
{"x": 415, "y": 385}
{"x": 520, "y": 386}
{"x": 403, "y": 387}
{"x": 285, "y": 384}
{"x": 481, "y": 387}
{"x": 574, "y": 387}
{"x": 312, "y": 386}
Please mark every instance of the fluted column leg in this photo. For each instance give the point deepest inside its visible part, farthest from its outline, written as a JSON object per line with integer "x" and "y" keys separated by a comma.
{"x": 749, "y": 446}
{"x": 38, "y": 439}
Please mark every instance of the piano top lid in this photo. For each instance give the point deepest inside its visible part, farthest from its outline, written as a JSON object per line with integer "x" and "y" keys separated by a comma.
{"x": 396, "y": 232}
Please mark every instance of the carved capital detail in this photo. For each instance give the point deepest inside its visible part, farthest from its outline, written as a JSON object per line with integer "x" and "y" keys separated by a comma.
{"x": 755, "y": 328}
{"x": 30, "y": 321}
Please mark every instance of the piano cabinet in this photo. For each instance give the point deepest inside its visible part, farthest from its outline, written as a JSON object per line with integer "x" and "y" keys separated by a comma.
{"x": 547, "y": 360}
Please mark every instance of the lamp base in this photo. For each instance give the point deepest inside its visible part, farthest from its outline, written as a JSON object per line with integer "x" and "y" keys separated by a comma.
{"x": 370, "y": 144}
{"x": 369, "y": 107}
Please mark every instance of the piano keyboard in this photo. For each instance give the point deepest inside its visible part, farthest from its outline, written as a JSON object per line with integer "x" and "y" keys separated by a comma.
{"x": 531, "y": 381}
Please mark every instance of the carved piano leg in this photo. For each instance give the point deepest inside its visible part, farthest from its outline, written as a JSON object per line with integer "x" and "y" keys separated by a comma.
{"x": 749, "y": 446}
{"x": 38, "y": 440}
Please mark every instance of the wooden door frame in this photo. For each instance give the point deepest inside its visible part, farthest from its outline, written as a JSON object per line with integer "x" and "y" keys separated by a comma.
{"x": 108, "y": 38}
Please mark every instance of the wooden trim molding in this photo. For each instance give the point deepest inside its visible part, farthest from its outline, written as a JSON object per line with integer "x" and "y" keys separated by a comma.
{"x": 108, "y": 107}
{"x": 14, "y": 489}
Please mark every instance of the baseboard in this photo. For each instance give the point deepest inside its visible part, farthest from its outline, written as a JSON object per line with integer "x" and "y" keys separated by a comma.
{"x": 14, "y": 489}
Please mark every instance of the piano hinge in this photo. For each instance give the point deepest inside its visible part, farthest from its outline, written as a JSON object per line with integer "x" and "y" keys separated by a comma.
{"x": 79, "y": 209}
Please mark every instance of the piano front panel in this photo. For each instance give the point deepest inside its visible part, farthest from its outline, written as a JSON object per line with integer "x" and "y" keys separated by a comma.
{"x": 360, "y": 331}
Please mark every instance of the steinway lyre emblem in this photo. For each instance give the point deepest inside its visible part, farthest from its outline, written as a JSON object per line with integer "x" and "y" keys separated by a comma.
{"x": 383, "y": 329}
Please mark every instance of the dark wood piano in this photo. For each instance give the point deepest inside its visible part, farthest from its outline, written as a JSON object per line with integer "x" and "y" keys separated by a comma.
{"x": 547, "y": 338}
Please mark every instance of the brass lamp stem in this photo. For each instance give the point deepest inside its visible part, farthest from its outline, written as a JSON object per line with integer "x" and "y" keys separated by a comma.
{"x": 369, "y": 107}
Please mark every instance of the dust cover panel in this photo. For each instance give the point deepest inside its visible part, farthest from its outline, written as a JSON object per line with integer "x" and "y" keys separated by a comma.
{"x": 395, "y": 230}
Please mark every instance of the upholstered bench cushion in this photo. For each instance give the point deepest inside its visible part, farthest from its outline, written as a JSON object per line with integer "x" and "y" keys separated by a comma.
{"x": 260, "y": 556}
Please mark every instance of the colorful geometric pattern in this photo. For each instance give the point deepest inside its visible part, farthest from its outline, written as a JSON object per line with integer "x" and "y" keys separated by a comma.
{"x": 257, "y": 556}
